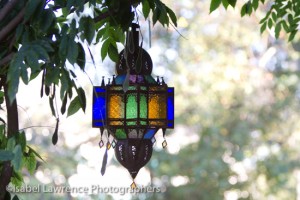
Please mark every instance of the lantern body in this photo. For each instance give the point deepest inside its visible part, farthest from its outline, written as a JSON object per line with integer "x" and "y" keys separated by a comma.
{"x": 145, "y": 106}
{"x": 133, "y": 107}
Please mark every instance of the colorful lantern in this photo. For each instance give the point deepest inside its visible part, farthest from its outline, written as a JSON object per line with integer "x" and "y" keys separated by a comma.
{"x": 133, "y": 107}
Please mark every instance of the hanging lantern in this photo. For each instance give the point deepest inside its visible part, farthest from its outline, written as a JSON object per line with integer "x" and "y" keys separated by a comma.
{"x": 133, "y": 107}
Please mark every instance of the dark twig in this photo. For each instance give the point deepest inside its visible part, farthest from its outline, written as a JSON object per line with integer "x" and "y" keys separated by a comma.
{"x": 7, "y": 8}
{"x": 6, "y": 59}
{"x": 12, "y": 24}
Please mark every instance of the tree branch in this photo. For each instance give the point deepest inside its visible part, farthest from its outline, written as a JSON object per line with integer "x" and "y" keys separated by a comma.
{"x": 12, "y": 24}
{"x": 12, "y": 129}
{"x": 7, "y": 8}
{"x": 6, "y": 59}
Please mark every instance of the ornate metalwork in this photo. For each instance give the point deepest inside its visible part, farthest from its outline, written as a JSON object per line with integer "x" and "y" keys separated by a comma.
{"x": 133, "y": 115}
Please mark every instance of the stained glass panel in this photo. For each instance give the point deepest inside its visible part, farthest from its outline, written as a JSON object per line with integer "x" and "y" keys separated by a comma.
{"x": 170, "y": 107}
{"x": 143, "y": 106}
{"x": 99, "y": 107}
{"x": 115, "y": 107}
{"x": 120, "y": 134}
{"x": 150, "y": 133}
{"x": 157, "y": 106}
{"x": 131, "y": 107}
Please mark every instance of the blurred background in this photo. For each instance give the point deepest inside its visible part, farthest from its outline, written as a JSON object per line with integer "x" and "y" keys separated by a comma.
{"x": 237, "y": 111}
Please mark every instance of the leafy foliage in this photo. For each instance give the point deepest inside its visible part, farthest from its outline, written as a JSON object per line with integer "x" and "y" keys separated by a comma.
{"x": 281, "y": 15}
{"x": 49, "y": 38}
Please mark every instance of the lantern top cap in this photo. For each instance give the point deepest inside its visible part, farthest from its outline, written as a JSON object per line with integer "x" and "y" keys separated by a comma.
{"x": 134, "y": 58}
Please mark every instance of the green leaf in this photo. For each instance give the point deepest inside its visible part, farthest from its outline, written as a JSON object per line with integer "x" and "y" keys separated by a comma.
{"x": 31, "y": 163}
{"x": 41, "y": 51}
{"x": 172, "y": 16}
{"x": 52, "y": 75}
{"x": 232, "y": 2}
{"x": 270, "y": 23}
{"x": 72, "y": 51}
{"x": 113, "y": 53}
{"x": 17, "y": 178}
{"x": 277, "y": 30}
{"x": 145, "y": 8}
{"x": 214, "y": 4}
{"x": 35, "y": 153}
{"x": 15, "y": 198}
{"x": 87, "y": 25}
{"x": 292, "y": 35}
{"x": 32, "y": 60}
{"x": 274, "y": 16}
{"x": 64, "y": 81}
{"x": 21, "y": 139}
{"x": 163, "y": 17}
{"x": 63, "y": 47}
{"x": 46, "y": 19}
{"x": 19, "y": 31}
{"x": 104, "y": 48}
{"x": 74, "y": 106}
{"x": 30, "y": 8}
{"x": 16, "y": 162}
{"x": 285, "y": 26}
{"x": 82, "y": 98}
{"x": 255, "y": 4}
{"x": 81, "y": 56}
{"x": 156, "y": 15}
{"x": 225, "y": 3}
{"x": 6, "y": 155}
{"x": 14, "y": 72}
{"x": 100, "y": 34}
{"x": 11, "y": 143}
{"x": 290, "y": 19}
{"x": 263, "y": 27}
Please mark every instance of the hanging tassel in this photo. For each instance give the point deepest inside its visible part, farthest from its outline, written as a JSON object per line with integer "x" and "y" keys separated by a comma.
{"x": 104, "y": 162}
{"x": 164, "y": 144}
{"x": 133, "y": 185}
{"x": 101, "y": 143}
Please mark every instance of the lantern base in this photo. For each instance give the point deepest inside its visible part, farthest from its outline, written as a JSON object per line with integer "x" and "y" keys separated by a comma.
{"x": 133, "y": 154}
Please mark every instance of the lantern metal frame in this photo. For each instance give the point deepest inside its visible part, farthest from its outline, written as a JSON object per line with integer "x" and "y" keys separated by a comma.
{"x": 152, "y": 108}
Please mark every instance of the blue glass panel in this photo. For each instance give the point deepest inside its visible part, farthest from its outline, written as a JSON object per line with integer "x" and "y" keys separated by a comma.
{"x": 150, "y": 133}
{"x": 120, "y": 79}
{"x": 97, "y": 124}
{"x": 99, "y": 89}
{"x": 170, "y": 107}
{"x": 99, "y": 107}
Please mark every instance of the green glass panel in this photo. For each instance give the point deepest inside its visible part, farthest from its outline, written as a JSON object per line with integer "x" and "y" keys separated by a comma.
{"x": 143, "y": 122}
{"x": 132, "y": 88}
{"x": 120, "y": 134}
{"x": 143, "y": 88}
{"x": 143, "y": 106}
{"x": 131, "y": 107}
{"x": 131, "y": 123}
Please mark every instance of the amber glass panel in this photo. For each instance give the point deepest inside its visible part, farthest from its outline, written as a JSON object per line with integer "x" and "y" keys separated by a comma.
{"x": 116, "y": 123}
{"x": 157, "y": 106}
{"x": 116, "y": 105}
